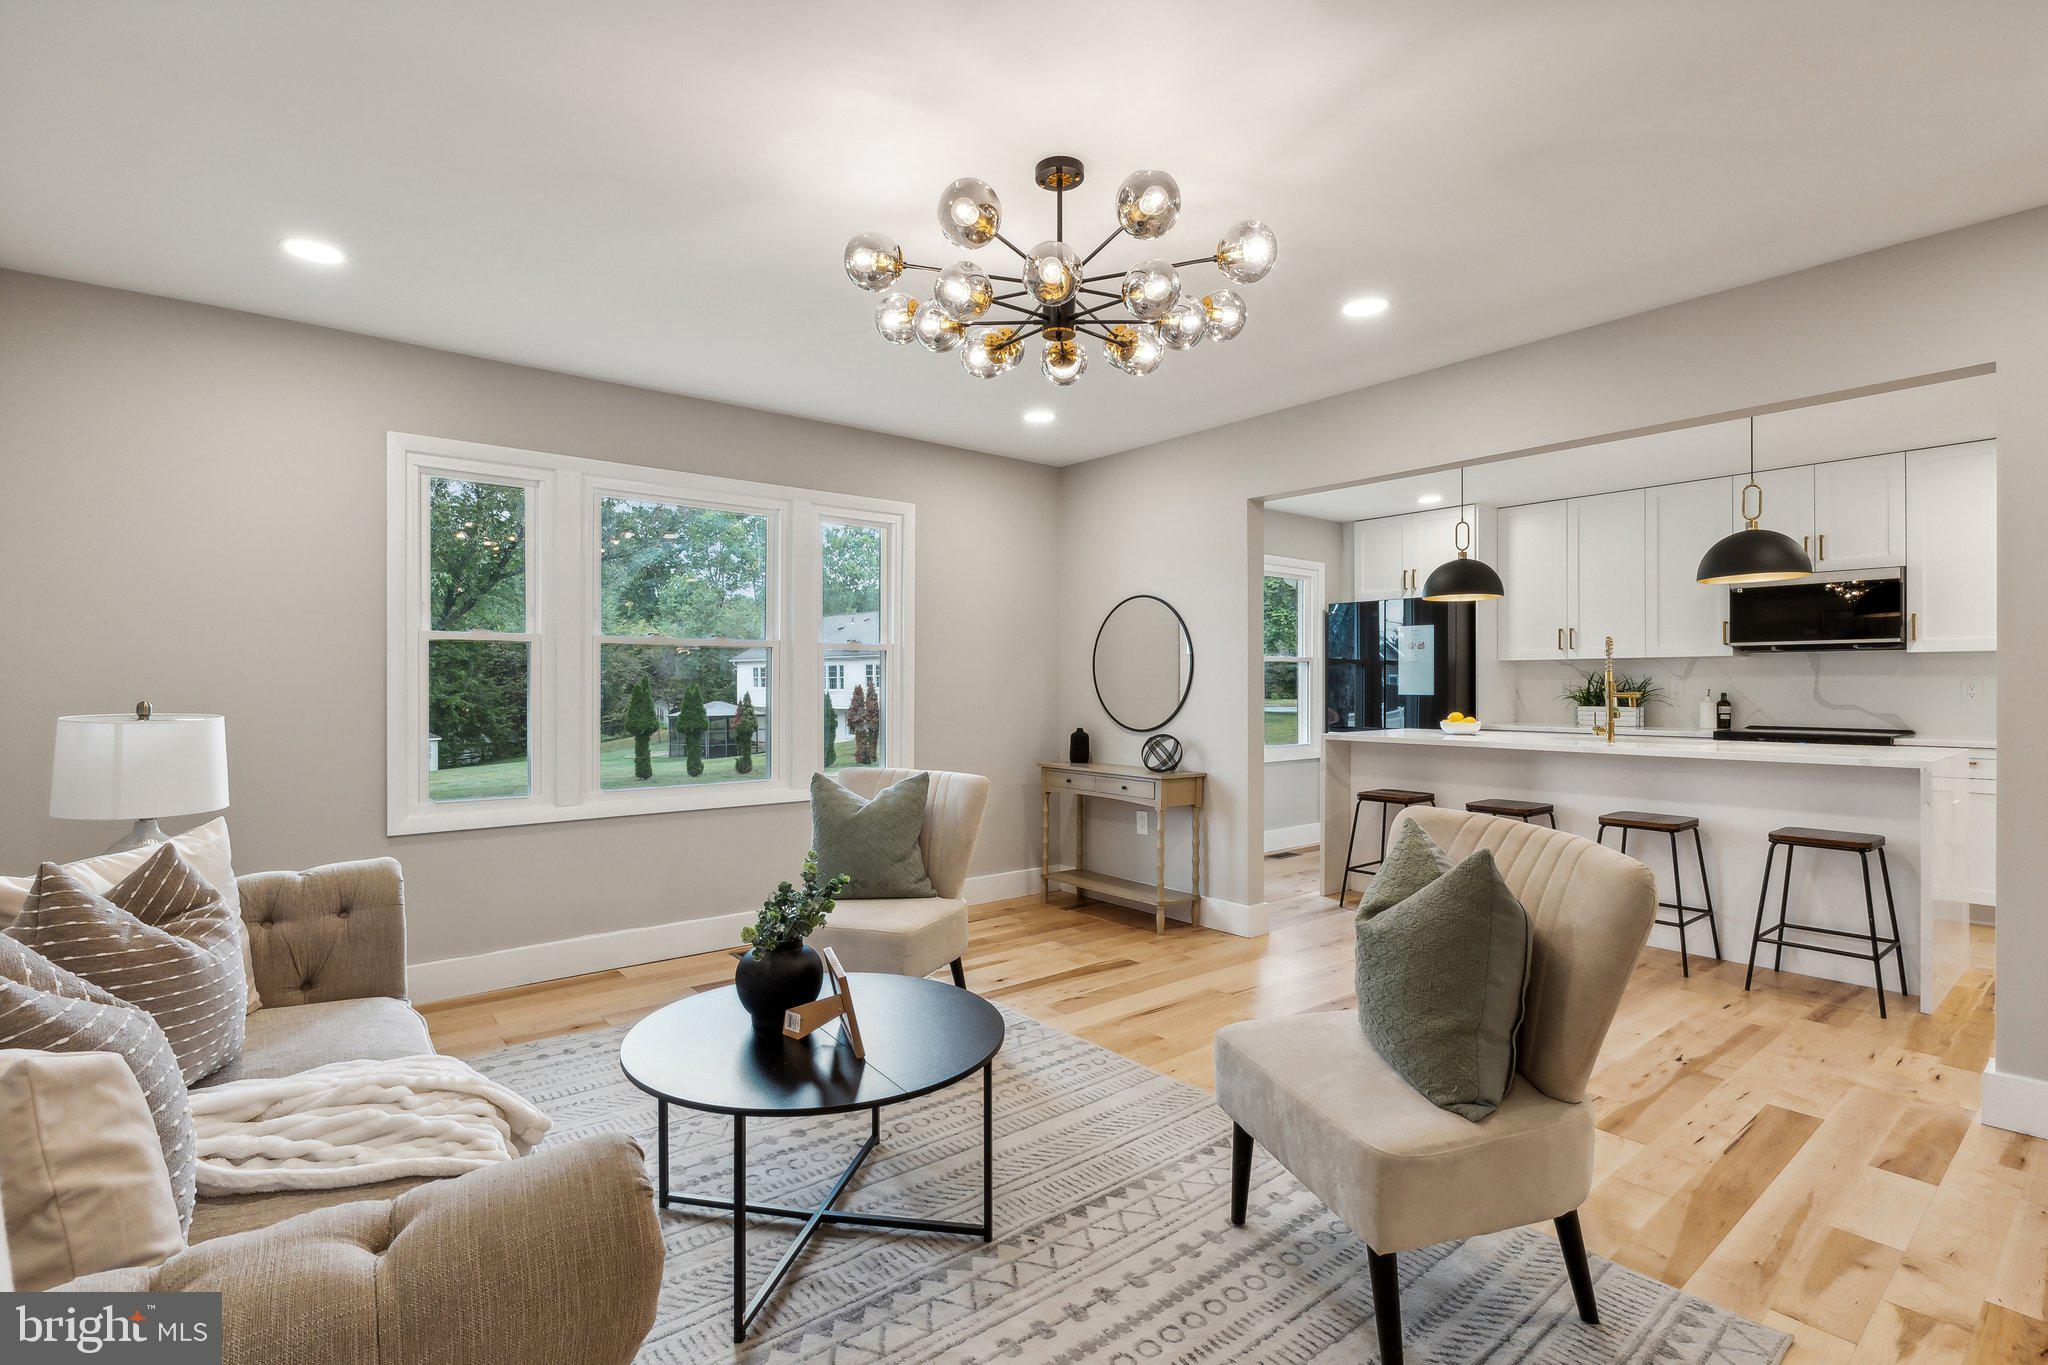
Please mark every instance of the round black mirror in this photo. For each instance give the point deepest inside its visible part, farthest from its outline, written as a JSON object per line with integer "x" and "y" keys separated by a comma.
{"x": 1144, "y": 663}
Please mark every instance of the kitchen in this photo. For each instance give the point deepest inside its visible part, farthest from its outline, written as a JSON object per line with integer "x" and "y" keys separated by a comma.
{"x": 1858, "y": 696}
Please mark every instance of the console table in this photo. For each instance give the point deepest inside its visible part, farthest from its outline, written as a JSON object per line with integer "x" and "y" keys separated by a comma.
{"x": 1157, "y": 792}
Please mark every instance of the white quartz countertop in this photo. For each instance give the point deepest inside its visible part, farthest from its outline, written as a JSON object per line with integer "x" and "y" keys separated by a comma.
{"x": 1638, "y": 746}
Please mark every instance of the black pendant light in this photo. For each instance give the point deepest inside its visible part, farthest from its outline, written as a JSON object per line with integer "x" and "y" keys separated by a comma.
{"x": 1463, "y": 579}
{"x": 1753, "y": 555}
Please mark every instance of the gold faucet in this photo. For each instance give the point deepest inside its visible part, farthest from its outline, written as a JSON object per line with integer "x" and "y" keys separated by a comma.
{"x": 1608, "y": 728}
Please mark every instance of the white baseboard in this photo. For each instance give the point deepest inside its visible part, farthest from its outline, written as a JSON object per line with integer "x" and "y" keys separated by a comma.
{"x": 2018, "y": 1103}
{"x": 1293, "y": 836}
{"x": 522, "y": 966}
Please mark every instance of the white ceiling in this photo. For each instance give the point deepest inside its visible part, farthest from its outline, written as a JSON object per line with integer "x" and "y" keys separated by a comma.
{"x": 1907, "y": 419}
{"x": 658, "y": 193}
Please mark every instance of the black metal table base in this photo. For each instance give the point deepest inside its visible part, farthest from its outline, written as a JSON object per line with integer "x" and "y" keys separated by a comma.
{"x": 745, "y": 1310}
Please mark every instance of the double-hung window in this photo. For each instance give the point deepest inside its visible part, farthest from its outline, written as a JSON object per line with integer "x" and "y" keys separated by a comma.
{"x": 571, "y": 638}
{"x": 1291, "y": 623}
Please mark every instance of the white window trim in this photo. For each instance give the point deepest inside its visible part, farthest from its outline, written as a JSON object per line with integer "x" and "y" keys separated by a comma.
{"x": 562, "y": 510}
{"x": 1311, "y": 647}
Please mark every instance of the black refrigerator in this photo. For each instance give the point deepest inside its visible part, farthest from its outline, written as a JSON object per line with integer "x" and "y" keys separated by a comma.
{"x": 1398, "y": 663}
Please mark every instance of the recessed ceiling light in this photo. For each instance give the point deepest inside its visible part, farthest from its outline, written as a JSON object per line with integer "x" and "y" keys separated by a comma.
{"x": 318, "y": 252}
{"x": 1430, "y": 499}
{"x": 1038, "y": 417}
{"x": 1371, "y": 306}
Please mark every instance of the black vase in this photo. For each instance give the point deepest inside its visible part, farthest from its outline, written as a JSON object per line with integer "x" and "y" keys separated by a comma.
{"x": 1077, "y": 746}
{"x": 770, "y": 983}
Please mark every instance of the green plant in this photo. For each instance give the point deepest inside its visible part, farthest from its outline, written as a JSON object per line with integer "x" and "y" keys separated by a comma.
{"x": 743, "y": 726}
{"x": 1592, "y": 690}
{"x": 788, "y": 917}
{"x": 641, "y": 723}
{"x": 831, "y": 731}
{"x": 693, "y": 725}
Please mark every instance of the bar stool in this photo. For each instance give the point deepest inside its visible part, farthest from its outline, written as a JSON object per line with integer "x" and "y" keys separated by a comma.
{"x": 1390, "y": 799}
{"x": 1508, "y": 808}
{"x": 1843, "y": 841}
{"x": 1650, "y": 822}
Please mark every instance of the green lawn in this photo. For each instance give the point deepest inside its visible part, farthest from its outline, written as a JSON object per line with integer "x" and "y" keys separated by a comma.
{"x": 615, "y": 772}
{"x": 1280, "y": 724}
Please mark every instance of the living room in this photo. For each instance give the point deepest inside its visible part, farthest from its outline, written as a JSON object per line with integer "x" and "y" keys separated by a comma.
{"x": 468, "y": 442}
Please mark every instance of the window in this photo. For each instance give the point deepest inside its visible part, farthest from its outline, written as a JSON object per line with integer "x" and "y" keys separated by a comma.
{"x": 1291, "y": 624}
{"x": 573, "y": 639}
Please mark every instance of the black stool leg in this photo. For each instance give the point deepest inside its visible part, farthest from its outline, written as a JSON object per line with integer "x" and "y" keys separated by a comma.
{"x": 1870, "y": 917}
{"x": 1350, "y": 852}
{"x": 1784, "y": 898}
{"x": 1762, "y": 897}
{"x": 1386, "y": 1304}
{"x": 1572, "y": 1243}
{"x": 1707, "y": 889}
{"x": 1624, "y": 840}
{"x": 1678, "y": 911}
{"x": 1386, "y": 823}
{"x": 1600, "y": 838}
{"x": 1885, "y": 869}
{"x": 1552, "y": 815}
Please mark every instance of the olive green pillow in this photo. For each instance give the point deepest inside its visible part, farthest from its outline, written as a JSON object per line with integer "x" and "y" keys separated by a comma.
{"x": 1413, "y": 862}
{"x": 1440, "y": 979}
{"x": 873, "y": 842}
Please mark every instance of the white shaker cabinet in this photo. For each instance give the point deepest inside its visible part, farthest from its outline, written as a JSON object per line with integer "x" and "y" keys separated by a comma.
{"x": 1952, "y": 548}
{"x": 1534, "y": 567}
{"x": 1378, "y": 560}
{"x": 1684, "y": 618}
{"x": 1607, "y": 575}
{"x": 1859, "y": 513}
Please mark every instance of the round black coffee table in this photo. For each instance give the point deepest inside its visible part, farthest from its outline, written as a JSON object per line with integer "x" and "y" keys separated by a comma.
{"x": 703, "y": 1053}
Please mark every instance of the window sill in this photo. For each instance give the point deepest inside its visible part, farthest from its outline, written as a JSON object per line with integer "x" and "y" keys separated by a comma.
{"x": 1293, "y": 753}
{"x": 491, "y": 815}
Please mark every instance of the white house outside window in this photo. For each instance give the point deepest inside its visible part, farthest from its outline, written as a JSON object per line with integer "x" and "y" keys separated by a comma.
{"x": 1292, "y": 627}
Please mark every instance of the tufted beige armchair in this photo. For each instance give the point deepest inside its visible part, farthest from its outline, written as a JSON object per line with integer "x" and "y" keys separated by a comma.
{"x": 915, "y": 937}
{"x": 1404, "y": 1174}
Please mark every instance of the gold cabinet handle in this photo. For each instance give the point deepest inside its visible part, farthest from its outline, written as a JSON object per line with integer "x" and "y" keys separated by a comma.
{"x": 1560, "y": 639}
{"x": 1823, "y": 545}
{"x": 1803, "y": 546}
{"x": 1572, "y": 633}
{"x": 1724, "y": 632}
{"x": 1913, "y": 626}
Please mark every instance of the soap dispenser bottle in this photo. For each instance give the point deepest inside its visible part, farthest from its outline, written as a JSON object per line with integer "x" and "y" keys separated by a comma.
{"x": 1724, "y": 713}
{"x": 1709, "y": 717}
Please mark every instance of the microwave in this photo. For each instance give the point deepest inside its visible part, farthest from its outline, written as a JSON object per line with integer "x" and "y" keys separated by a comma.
{"x": 1847, "y": 609}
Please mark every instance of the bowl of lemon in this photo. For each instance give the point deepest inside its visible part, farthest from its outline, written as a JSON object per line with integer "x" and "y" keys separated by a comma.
{"x": 1458, "y": 723}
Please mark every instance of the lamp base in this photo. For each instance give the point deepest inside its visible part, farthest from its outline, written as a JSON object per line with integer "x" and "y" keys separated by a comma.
{"x": 145, "y": 834}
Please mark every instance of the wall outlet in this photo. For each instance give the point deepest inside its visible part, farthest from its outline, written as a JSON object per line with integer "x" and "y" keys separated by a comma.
{"x": 1973, "y": 691}
{"x": 1144, "y": 822}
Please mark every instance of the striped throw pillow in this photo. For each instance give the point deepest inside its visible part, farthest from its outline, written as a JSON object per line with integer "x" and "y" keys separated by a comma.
{"x": 48, "y": 1009}
{"x": 161, "y": 939}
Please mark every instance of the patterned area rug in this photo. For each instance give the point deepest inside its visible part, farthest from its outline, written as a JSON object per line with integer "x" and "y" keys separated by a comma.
{"x": 1113, "y": 1239}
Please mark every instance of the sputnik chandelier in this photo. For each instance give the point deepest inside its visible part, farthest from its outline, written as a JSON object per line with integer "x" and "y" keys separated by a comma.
{"x": 1139, "y": 318}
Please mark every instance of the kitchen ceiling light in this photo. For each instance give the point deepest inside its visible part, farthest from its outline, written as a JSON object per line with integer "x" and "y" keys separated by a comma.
{"x": 1429, "y": 499}
{"x": 1371, "y": 306}
{"x": 1137, "y": 313}
{"x": 1463, "y": 579}
{"x": 1753, "y": 555}
{"x": 317, "y": 252}
{"x": 1038, "y": 417}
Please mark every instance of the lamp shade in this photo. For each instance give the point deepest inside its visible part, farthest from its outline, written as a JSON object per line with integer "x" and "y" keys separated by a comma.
{"x": 1754, "y": 555}
{"x": 116, "y": 767}
{"x": 1463, "y": 580}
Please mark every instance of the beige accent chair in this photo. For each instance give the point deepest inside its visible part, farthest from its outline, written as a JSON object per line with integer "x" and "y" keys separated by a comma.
{"x": 554, "y": 1256}
{"x": 1403, "y": 1173}
{"x": 914, "y": 937}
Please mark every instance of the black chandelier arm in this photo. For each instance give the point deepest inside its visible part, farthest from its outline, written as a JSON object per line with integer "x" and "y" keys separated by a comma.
{"x": 1008, "y": 279}
{"x": 1022, "y": 337}
{"x": 1021, "y": 293}
{"x": 1022, "y": 254}
{"x": 1094, "y": 308}
{"x": 913, "y": 265}
{"x": 1113, "y": 235}
{"x": 1199, "y": 260}
{"x": 1088, "y": 331}
{"x": 1105, "y": 293}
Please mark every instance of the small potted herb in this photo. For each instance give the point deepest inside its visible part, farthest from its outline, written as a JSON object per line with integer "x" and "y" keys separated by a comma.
{"x": 1589, "y": 695}
{"x": 781, "y": 970}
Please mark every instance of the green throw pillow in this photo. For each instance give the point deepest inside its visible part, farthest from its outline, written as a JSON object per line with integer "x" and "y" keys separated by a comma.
{"x": 873, "y": 842}
{"x": 1412, "y": 863}
{"x": 1440, "y": 979}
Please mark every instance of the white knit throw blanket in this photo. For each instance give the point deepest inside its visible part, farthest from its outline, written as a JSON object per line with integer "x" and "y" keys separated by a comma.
{"x": 357, "y": 1123}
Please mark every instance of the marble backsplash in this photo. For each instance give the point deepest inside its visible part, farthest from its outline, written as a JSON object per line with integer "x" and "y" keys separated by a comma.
{"x": 1893, "y": 689}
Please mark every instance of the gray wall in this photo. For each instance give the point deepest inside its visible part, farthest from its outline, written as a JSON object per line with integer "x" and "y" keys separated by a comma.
{"x": 1965, "y": 298}
{"x": 194, "y": 507}
{"x": 1294, "y": 789}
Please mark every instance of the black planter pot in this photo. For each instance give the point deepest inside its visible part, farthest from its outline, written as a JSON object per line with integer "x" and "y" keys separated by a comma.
{"x": 771, "y": 983}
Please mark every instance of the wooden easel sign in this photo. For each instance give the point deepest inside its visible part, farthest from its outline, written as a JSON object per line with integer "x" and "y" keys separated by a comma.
{"x": 805, "y": 1020}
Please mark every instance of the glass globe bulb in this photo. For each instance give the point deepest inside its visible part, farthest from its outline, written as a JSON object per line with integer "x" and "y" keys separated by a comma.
{"x": 896, "y": 317}
{"x": 1248, "y": 251}
{"x": 990, "y": 351}
{"x": 873, "y": 261}
{"x": 969, "y": 213}
{"x": 1224, "y": 313}
{"x": 936, "y": 331}
{"x": 1150, "y": 288}
{"x": 1185, "y": 325}
{"x": 1064, "y": 361}
{"x": 964, "y": 290}
{"x": 1134, "y": 350}
{"x": 1052, "y": 272}
{"x": 1148, "y": 204}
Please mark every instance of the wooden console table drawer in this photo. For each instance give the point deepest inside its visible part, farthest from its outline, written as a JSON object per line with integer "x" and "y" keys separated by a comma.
{"x": 1157, "y": 792}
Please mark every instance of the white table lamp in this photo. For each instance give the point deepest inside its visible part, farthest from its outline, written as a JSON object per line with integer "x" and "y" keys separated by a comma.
{"x": 139, "y": 767}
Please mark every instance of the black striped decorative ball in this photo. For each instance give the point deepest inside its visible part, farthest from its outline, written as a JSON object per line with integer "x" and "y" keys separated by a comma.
{"x": 1161, "y": 753}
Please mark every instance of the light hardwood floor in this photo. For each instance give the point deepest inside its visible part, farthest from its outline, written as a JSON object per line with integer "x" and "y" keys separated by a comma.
{"x": 1784, "y": 1153}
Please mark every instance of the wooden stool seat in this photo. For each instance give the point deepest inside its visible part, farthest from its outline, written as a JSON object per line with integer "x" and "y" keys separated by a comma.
{"x": 1512, "y": 808}
{"x": 1398, "y": 796}
{"x": 1648, "y": 820}
{"x": 1848, "y": 841}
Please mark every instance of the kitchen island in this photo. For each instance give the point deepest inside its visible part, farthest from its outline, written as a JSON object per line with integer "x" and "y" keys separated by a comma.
{"x": 1916, "y": 797}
